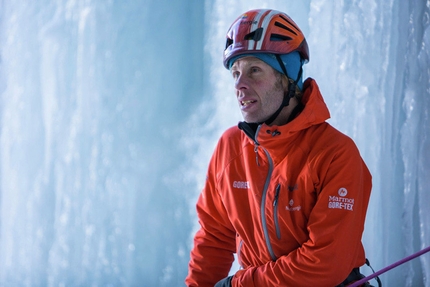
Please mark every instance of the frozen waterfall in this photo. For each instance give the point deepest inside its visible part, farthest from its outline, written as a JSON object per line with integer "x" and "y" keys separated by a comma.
{"x": 110, "y": 111}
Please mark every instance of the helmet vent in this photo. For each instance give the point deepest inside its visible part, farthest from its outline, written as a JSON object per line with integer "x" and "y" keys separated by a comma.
{"x": 284, "y": 27}
{"x": 228, "y": 43}
{"x": 256, "y": 35}
{"x": 289, "y": 22}
{"x": 278, "y": 37}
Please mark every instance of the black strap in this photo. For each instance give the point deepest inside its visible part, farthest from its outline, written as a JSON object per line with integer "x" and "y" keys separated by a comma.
{"x": 288, "y": 95}
{"x": 285, "y": 102}
{"x": 376, "y": 278}
{"x": 278, "y": 57}
{"x": 355, "y": 275}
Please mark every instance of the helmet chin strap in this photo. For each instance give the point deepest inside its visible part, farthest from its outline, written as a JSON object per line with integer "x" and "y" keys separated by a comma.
{"x": 288, "y": 94}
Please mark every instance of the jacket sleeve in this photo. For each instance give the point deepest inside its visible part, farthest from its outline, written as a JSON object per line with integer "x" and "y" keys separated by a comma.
{"x": 342, "y": 183}
{"x": 214, "y": 242}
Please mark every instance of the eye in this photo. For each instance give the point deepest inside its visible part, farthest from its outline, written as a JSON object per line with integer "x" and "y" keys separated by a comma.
{"x": 255, "y": 69}
{"x": 235, "y": 74}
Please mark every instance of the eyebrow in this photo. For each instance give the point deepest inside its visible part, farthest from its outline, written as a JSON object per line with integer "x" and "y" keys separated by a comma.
{"x": 249, "y": 63}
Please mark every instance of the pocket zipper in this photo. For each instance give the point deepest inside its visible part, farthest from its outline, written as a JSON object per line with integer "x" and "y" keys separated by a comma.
{"x": 275, "y": 211}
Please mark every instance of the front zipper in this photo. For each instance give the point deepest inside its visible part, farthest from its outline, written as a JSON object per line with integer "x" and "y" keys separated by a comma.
{"x": 249, "y": 132}
{"x": 275, "y": 211}
{"x": 263, "y": 204}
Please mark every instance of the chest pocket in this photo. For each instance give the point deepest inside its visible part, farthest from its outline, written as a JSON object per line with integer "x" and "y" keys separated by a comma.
{"x": 290, "y": 216}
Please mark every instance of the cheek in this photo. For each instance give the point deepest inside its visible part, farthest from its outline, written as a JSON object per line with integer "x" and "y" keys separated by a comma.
{"x": 274, "y": 96}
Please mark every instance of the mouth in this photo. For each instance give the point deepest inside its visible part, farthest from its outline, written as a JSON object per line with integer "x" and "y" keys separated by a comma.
{"x": 245, "y": 103}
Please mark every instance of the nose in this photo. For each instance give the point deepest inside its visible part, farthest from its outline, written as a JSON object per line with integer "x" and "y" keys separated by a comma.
{"x": 241, "y": 82}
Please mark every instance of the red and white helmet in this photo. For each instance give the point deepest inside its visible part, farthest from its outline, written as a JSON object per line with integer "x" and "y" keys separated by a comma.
{"x": 264, "y": 31}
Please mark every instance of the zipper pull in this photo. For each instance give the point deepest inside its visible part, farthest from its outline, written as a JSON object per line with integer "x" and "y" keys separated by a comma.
{"x": 278, "y": 188}
{"x": 256, "y": 154}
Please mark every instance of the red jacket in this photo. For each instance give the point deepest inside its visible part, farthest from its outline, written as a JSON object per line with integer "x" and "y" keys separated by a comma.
{"x": 291, "y": 203}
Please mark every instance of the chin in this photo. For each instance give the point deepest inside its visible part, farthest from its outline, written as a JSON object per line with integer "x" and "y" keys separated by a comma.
{"x": 249, "y": 119}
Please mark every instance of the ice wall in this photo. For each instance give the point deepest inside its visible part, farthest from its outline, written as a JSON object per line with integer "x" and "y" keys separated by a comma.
{"x": 93, "y": 99}
{"x": 110, "y": 111}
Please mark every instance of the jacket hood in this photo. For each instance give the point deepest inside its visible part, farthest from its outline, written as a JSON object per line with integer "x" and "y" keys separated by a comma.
{"x": 276, "y": 138}
{"x": 315, "y": 111}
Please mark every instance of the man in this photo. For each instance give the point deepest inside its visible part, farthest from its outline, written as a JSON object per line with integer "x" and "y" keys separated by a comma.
{"x": 285, "y": 191}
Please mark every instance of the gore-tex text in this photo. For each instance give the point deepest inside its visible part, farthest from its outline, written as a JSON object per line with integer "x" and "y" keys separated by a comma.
{"x": 340, "y": 202}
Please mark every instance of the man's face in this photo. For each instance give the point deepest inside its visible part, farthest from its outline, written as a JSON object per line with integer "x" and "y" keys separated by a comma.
{"x": 259, "y": 89}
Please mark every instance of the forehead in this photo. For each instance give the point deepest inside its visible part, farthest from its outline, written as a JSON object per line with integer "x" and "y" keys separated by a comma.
{"x": 248, "y": 61}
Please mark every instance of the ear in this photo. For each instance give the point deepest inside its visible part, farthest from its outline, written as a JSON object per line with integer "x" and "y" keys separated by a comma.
{"x": 285, "y": 83}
